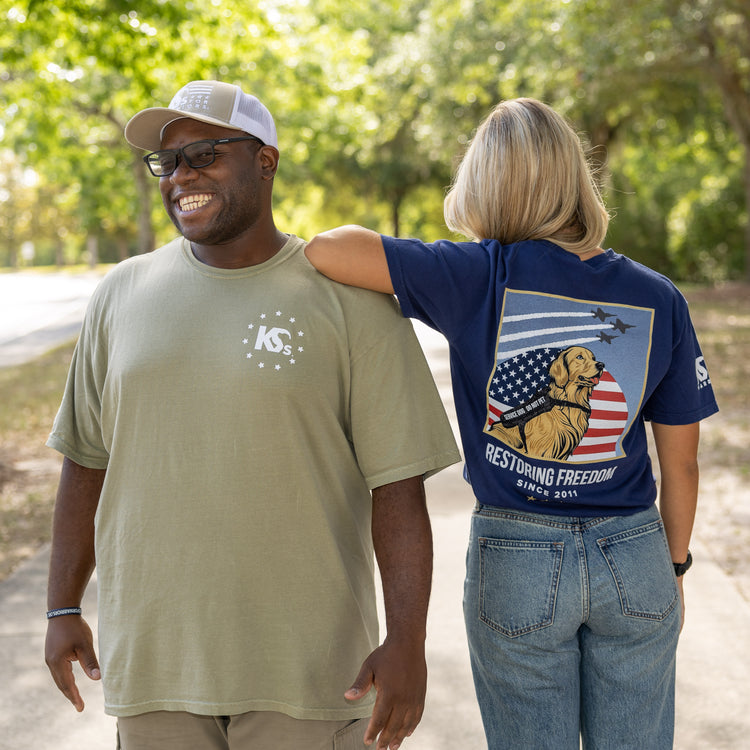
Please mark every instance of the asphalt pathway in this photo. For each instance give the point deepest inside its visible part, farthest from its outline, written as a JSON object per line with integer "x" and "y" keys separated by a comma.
{"x": 713, "y": 679}
{"x": 41, "y": 310}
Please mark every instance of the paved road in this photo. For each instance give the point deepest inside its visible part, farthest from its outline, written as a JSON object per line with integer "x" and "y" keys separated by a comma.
{"x": 40, "y": 310}
{"x": 713, "y": 660}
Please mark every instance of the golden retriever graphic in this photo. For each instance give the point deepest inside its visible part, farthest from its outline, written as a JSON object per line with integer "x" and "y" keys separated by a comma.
{"x": 551, "y": 424}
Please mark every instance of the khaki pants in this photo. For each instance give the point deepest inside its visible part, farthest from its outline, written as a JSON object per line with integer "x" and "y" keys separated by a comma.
{"x": 257, "y": 730}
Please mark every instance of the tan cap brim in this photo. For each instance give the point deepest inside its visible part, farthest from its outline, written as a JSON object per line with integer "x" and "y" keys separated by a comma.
{"x": 144, "y": 129}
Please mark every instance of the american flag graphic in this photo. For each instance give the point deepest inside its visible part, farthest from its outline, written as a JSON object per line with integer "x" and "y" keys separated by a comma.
{"x": 536, "y": 328}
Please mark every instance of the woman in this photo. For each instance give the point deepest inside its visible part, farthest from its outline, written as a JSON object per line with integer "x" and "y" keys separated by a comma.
{"x": 560, "y": 351}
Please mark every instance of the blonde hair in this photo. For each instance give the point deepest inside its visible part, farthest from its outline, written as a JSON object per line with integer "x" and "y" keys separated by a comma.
{"x": 525, "y": 177}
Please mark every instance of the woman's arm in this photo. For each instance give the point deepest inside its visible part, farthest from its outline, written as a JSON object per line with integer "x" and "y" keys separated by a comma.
{"x": 352, "y": 255}
{"x": 677, "y": 450}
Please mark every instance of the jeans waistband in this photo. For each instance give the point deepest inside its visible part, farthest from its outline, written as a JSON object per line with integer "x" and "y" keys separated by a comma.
{"x": 547, "y": 519}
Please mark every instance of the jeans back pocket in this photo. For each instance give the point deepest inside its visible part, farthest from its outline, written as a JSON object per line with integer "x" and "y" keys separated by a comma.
{"x": 518, "y": 584}
{"x": 642, "y": 568}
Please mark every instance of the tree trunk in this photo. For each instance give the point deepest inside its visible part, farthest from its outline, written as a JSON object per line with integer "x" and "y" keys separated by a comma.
{"x": 59, "y": 252}
{"x": 122, "y": 247}
{"x": 396, "y": 197}
{"x": 92, "y": 250}
{"x": 144, "y": 184}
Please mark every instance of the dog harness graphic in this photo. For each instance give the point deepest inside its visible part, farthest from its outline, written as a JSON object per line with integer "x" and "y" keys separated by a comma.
{"x": 569, "y": 376}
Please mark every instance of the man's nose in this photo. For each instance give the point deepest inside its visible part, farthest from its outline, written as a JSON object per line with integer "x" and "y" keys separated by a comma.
{"x": 183, "y": 171}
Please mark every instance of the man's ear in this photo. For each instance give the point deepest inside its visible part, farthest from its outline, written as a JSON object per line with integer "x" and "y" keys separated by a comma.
{"x": 269, "y": 161}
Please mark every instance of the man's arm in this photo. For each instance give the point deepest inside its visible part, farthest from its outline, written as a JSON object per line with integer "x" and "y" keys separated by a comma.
{"x": 352, "y": 255}
{"x": 677, "y": 450}
{"x": 402, "y": 538}
{"x": 72, "y": 562}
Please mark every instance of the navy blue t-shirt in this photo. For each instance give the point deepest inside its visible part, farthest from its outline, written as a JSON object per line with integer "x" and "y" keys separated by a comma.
{"x": 556, "y": 363}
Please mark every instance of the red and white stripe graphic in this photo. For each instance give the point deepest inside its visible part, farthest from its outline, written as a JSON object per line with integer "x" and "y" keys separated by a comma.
{"x": 609, "y": 416}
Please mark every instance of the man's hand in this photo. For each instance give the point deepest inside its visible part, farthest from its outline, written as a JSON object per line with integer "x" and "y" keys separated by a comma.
{"x": 399, "y": 674}
{"x": 69, "y": 639}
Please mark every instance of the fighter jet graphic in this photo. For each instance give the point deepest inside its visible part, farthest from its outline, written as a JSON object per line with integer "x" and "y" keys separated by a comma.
{"x": 605, "y": 339}
{"x": 601, "y": 315}
{"x": 620, "y": 326}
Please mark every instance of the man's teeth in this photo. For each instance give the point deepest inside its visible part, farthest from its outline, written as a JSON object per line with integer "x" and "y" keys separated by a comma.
{"x": 191, "y": 202}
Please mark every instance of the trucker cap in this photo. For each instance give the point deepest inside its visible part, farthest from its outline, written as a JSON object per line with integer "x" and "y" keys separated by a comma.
{"x": 214, "y": 102}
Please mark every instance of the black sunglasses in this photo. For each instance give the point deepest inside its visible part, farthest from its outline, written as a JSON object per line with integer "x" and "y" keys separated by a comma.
{"x": 196, "y": 155}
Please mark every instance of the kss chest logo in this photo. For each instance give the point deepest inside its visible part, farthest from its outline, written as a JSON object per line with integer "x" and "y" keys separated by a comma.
{"x": 274, "y": 341}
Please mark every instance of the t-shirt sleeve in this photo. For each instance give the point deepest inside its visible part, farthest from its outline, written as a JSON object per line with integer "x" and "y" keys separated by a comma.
{"x": 433, "y": 280}
{"x": 398, "y": 423}
{"x": 77, "y": 429}
{"x": 684, "y": 394}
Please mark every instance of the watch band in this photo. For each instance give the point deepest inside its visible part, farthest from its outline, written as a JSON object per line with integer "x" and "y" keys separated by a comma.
{"x": 681, "y": 568}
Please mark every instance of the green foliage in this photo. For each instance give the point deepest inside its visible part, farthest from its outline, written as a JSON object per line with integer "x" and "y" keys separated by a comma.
{"x": 679, "y": 205}
{"x": 375, "y": 102}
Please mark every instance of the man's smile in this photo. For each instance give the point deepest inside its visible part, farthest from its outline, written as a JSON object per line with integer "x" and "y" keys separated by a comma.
{"x": 188, "y": 203}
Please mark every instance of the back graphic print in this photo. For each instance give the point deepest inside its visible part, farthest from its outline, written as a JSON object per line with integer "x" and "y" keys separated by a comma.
{"x": 569, "y": 376}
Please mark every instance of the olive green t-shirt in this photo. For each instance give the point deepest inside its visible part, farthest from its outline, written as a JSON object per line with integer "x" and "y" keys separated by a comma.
{"x": 242, "y": 417}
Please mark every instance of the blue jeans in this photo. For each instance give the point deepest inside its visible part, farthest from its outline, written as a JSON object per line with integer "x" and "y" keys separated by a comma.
{"x": 572, "y": 626}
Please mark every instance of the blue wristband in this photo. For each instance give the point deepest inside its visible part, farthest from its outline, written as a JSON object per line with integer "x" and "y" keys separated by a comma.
{"x": 64, "y": 611}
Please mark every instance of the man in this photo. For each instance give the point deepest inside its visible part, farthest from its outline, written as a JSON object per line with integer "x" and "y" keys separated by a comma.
{"x": 227, "y": 413}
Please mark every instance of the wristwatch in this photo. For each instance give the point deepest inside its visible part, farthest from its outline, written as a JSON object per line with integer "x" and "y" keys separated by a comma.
{"x": 682, "y": 568}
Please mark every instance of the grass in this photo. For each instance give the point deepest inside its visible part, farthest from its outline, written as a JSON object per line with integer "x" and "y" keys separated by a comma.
{"x": 722, "y": 318}
{"x": 30, "y": 395}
